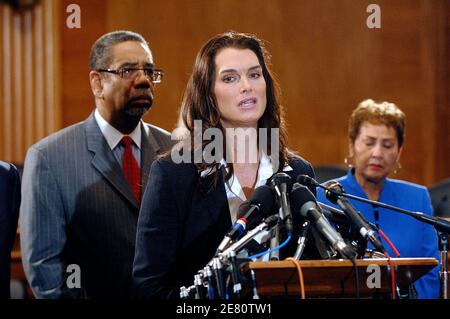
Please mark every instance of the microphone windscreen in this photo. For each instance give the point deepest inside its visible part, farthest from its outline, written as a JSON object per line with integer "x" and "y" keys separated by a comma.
{"x": 282, "y": 178}
{"x": 243, "y": 209}
{"x": 300, "y": 195}
{"x": 258, "y": 207}
{"x": 334, "y": 185}
{"x": 263, "y": 197}
{"x": 333, "y": 188}
{"x": 307, "y": 181}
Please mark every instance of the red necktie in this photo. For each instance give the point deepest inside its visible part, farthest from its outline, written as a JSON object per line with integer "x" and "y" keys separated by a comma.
{"x": 130, "y": 168}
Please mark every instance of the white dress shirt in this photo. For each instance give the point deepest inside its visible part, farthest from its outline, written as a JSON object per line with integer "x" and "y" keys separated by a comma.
{"x": 234, "y": 191}
{"x": 113, "y": 138}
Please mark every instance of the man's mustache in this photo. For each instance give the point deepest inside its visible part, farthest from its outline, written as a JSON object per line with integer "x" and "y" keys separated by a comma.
{"x": 147, "y": 97}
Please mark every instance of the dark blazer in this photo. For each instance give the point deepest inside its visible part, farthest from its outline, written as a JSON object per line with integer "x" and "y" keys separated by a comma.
{"x": 9, "y": 213}
{"x": 78, "y": 209}
{"x": 180, "y": 227}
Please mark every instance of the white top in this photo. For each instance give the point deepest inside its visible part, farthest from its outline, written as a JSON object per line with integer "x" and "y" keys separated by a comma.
{"x": 235, "y": 193}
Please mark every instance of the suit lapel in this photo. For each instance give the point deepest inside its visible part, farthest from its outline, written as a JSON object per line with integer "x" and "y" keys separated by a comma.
{"x": 149, "y": 150}
{"x": 214, "y": 203}
{"x": 104, "y": 160}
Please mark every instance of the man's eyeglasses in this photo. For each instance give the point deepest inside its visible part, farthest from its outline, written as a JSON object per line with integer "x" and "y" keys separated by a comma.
{"x": 154, "y": 75}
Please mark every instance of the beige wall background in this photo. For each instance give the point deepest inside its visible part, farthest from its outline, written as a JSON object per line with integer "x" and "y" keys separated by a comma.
{"x": 326, "y": 59}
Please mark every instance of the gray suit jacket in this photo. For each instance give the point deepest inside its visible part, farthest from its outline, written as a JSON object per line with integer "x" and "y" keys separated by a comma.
{"x": 78, "y": 209}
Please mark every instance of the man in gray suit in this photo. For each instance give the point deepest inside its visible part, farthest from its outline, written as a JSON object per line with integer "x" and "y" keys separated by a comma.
{"x": 82, "y": 185}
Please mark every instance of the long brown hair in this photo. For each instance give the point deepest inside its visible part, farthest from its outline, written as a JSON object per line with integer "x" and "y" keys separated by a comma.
{"x": 199, "y": 102}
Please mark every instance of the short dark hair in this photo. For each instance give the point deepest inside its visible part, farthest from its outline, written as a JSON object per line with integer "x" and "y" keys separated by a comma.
{"x": 100, "y": 57}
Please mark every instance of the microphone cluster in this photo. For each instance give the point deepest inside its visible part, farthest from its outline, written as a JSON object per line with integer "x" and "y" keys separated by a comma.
{"x": 287, "y": 200}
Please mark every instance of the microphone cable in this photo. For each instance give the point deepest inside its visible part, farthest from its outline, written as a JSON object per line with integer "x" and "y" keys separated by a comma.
{"x": 393, "y": 280}
{"x": 270, "y": 250}
{"x": 356, "y": 271}
{"x": 386, "y": 238}
{"x": 391, "y": 266}
{"x": 300, "y": 276}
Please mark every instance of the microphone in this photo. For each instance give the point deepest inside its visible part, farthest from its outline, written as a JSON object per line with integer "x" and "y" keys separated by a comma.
{"x": 304, "y": 203}
{"x": 254, "y": 210}
{"x": 237, "y": 287}
{"x": 220, "y": 280}
{"x": 281, "y": 183}
{"x": 199, "y": 286}
{"x": 333, "y": 192}
{"x": 301, "y": 242}
{"x": 268, "y": 223}
{"x": 438, "y": 223}
{"x": 209, "y": 281}
{"x": 308, "y": 181}
{"x": 338, "y": 216}
{"x": 334, "y": 215}
{"x": 184, "y": 293}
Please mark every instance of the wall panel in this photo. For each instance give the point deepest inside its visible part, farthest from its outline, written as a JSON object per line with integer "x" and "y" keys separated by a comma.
{"x": 325, "y": 57}
{"x": 29, "y": 100}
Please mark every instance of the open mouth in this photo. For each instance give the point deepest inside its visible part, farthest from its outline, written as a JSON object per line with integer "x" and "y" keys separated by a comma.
{"x": 247, "y": 103}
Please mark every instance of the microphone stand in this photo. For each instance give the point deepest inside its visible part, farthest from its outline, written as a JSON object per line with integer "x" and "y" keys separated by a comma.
{"x": 301, "y": 243}
{"x": 268, "y": 223}
{"x": 209, "y": 281}
{"x": 237, "y": 287}
{"x": 274, "y": 242}
{"x": 441, "y": 225}
{"x": 220, "y": 278}
{"x": 443, "y": 248}
{"x": 215, "y": 267}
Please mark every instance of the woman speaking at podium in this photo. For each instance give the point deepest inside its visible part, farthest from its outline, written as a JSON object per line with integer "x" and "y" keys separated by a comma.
{"x": 376, "y": 133}
{"x": 194, "y": 193}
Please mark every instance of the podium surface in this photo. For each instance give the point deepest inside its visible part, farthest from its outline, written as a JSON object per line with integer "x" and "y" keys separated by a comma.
{"x": 337, "y": 278}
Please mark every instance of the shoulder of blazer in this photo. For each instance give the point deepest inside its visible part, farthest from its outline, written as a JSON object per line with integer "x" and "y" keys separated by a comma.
{"x": 407, "y": 186}
{"x": 5, "y": 168}
{"x": 8, "y": 173}
{"x": 160, "y": 135}
{"x": 181, "y": 178}
{"x": 54, "y": 140}
{"x": 171, "y": 168}
{"x": 10, "y": 188}
{"x": 300, "y": 165}
{"x": 157, "y": 131}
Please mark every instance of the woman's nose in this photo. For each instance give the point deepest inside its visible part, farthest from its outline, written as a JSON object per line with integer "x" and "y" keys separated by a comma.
{"x": 245, "y": 85}
{"x": 377, "y": 150}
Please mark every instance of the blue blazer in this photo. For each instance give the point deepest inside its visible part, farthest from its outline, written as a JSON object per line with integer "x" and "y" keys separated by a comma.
{"x": 180, "y": 227}
{"x": 9, "y": 213}
{"x": 411, "y": 237}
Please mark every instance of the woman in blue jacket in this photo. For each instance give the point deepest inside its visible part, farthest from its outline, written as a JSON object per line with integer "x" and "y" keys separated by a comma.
{"x": 376, "y": 134}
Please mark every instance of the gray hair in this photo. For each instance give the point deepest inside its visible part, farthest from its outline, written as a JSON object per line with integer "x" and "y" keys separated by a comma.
{"x": 100, "y": 57}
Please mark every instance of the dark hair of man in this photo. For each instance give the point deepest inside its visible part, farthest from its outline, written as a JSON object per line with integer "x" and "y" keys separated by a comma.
{"x": 199, "y": 101}
{"x": 100, "y": 57}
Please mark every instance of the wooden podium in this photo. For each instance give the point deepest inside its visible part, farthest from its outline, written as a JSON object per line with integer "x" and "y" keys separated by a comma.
{"x": 336, "y": 278}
